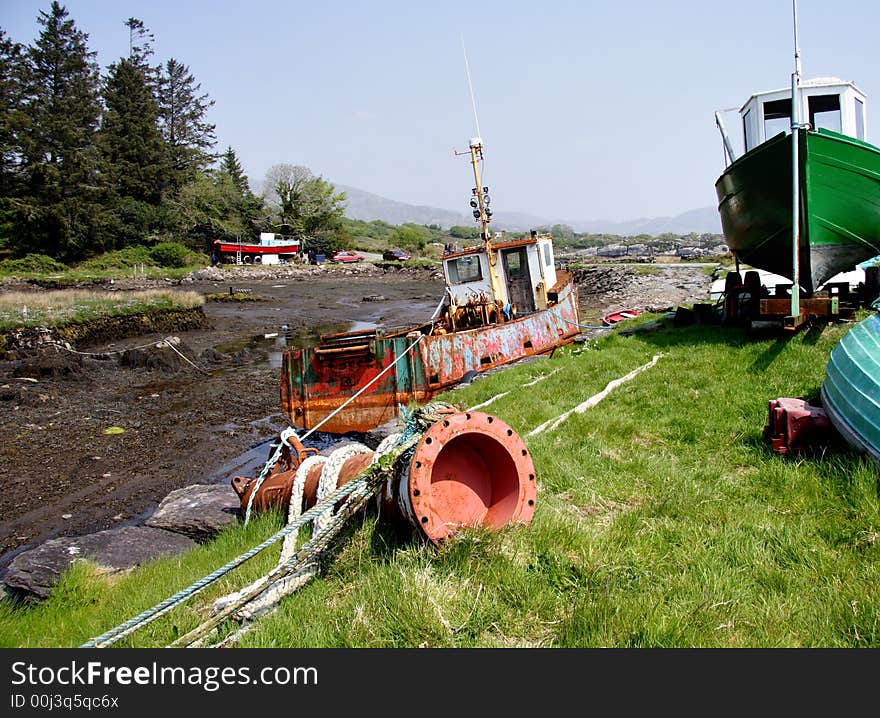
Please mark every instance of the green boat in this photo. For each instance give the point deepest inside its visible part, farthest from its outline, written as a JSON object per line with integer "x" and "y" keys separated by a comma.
{"x": 851, "y": 388}
{"x": 839, "y": 176}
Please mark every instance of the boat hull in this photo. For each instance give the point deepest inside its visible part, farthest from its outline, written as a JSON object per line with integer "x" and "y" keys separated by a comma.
{"x": 258, "y": 248}
{"x": 851, "y": 388}
{"x": 317, "y": 381}
{"x": 839, "y": 213}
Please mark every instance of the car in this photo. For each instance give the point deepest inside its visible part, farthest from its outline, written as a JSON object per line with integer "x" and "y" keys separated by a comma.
{"x": 346, "y": 257}
{"x": 395, "y": 255}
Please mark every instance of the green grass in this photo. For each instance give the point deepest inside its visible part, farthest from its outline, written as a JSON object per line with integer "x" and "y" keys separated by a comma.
{"x": 132, "y": 262}
{"x": 56, "y": 308}
{"x": 663, "y": 519}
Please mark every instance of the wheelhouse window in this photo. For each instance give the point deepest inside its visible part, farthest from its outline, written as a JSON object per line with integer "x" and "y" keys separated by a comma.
{"x": 548, "y": 258}
{"x": 860, "y": 119}
{"x": 464, "y": 269}
{"x": 825, "y": 112}
{"x": 777, "y": 118}
{"x": 748, "y": 133}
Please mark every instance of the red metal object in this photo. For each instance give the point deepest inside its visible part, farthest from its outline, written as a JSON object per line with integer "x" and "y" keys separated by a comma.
{"x": 614, "y": 317}
{"x": 252, "y": 249}
{"x": 795, "y": 425}
{"x": 468, "y": 469}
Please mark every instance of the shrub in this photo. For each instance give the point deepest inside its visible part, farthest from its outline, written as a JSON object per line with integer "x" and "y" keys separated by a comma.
{"x": 170, "y": 254}
{"x": 32, "y": 264}
{"x": 120, "y": 259}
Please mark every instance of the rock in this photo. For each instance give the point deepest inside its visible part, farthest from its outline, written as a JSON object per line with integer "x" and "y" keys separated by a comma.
{"x": 373, "y": 437}
{"x": 373, "y": 298}
{"x": 164, "y": 356}
{"x": 200, "y": 511}
{"x": 34, "y": 573}
{"x": 212, "y": 356}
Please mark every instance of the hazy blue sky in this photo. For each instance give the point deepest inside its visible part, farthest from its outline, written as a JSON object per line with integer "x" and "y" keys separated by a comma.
{"x": 588, "y": 110}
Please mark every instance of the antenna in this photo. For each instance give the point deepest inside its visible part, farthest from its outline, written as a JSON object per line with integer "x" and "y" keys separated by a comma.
{"x": 470, "y": 86}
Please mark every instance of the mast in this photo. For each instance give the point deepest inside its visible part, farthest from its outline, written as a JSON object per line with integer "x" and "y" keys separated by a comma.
{"x": 483, "y": 214}
{"x": 795, "y": 173}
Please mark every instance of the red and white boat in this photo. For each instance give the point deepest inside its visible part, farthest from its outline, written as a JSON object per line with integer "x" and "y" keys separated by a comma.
{"x": 271, "y": 249}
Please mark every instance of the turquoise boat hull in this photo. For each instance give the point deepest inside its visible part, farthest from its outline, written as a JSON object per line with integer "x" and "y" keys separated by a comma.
{"x": 851, "y": 388}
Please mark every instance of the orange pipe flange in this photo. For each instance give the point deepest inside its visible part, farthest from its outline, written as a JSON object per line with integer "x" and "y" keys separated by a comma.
{"x": 469, "y": 469}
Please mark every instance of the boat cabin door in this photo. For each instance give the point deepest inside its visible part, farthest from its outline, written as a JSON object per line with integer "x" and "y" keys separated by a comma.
{"x": 519, "y": 281}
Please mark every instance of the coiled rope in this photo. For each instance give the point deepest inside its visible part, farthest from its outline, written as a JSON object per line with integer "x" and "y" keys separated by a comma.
{"x": 358, "y": 492}
{"x": 287, "y": 432}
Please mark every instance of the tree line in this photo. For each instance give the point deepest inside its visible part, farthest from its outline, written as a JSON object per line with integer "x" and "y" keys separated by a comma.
{"x": 94, "y": 161}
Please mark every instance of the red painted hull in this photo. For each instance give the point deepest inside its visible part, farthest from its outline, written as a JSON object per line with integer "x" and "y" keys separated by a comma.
{"x": 227, "y": 248}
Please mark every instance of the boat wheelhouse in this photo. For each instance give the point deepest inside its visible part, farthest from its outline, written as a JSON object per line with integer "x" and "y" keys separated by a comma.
{"x": 504, "y": 300}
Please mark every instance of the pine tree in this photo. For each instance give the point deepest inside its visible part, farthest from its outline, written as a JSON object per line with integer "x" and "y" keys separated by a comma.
{"x": 59, "y": 211}
{"x": 133, "y": 151}
{"x": 231, "y": 166}
{"x": 12, "y": 118}
{"x": 189, "y": 138}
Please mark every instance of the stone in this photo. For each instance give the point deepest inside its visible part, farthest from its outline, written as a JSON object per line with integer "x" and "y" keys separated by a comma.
{"x": 374, "y": 437}
{"x": 200, "y": 511}
{"x": 34, "y": 573}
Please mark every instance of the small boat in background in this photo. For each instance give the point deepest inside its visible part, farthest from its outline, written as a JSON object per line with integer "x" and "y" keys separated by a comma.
{"x": 851, "y": 388}
{"x": 614, "y": 317}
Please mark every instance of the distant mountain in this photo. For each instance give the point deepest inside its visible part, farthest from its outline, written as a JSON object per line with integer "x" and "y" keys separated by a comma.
{"x": 702, "y": 220}
{"x": 367, "y": 206}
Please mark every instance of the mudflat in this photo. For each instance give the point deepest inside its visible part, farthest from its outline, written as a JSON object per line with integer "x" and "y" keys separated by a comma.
{"x": 89, "y": 441}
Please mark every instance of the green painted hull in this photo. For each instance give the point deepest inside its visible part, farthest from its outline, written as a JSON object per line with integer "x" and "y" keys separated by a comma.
{"x": 839, "y": 212}
{"x": 851, "y": 389}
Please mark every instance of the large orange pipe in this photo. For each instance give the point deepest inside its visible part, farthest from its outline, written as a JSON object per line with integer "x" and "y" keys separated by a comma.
{"x": 468, "y": 469}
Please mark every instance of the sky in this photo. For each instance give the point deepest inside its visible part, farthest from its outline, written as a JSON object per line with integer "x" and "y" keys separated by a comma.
{"x": 587, "y": 110}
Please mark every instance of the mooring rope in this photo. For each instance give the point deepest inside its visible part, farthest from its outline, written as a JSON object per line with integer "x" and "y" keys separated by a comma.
{"x": 151, "y": 614}
{"x": 361, "y": 489}
{"x": 582, "y": 326}
{"x": 274, "y": 458}
{"x": 593, "y": 400}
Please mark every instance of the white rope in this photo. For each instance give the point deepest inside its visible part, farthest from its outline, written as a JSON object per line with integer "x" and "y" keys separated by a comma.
{"x": 505, "y": 393}
{"x": 330, "y": 478}
{"x": 296, "y": 501}
{"x": 593, "y": 400}
{"x": 268, "y": 599}
{"x": 489, "y": 401}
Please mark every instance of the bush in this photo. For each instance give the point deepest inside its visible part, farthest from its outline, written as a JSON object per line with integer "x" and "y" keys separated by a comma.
{"x": 170, "y": 254}
{"x": 32, "y": 264}
{"x": 120, "y": 259}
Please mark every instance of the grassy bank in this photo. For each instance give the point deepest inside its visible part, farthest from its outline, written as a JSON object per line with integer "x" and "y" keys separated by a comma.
{"x": 166, "y": 260}
{"x": 59, "y": 308}
{"x": 663, "y": 519}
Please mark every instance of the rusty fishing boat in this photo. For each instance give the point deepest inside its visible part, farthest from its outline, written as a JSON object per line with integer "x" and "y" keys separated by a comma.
{"x": 504, "y": 300}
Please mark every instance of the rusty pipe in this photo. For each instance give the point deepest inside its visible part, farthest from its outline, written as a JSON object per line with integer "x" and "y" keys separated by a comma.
{"x": 467, "y": 469}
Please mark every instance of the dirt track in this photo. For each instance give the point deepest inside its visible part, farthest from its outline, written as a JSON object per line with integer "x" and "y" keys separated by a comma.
{"x": 63, "y": 475}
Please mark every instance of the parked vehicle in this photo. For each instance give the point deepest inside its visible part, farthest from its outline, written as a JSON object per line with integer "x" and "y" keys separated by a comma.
{"x": 395, "y": 255}
{"x": 346, "y": 257}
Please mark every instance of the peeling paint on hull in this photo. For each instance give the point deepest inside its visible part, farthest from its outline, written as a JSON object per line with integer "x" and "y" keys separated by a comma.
{"x": 316, "y": 381}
